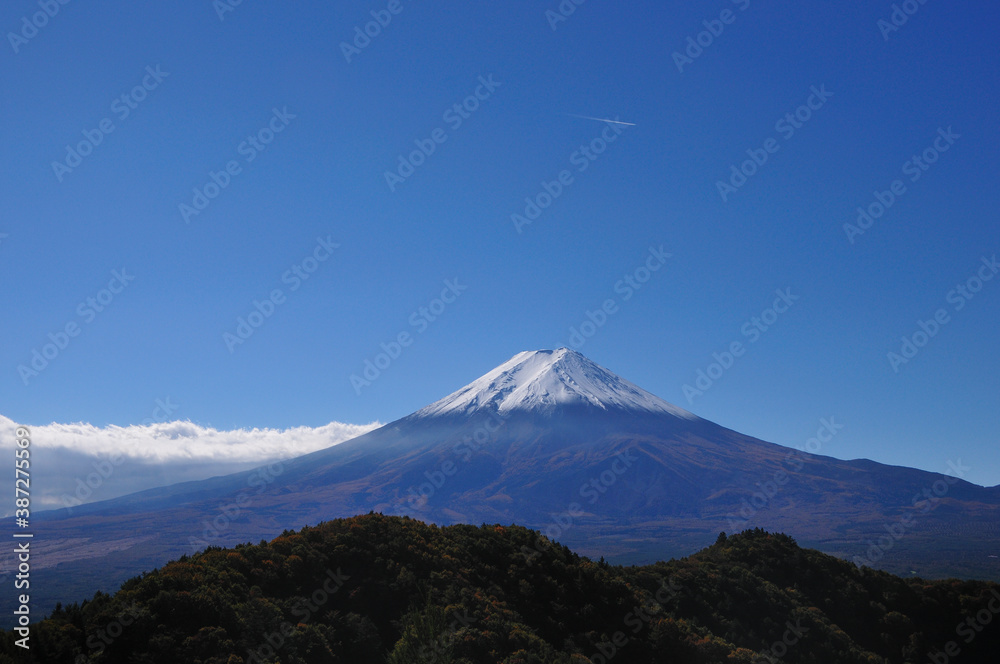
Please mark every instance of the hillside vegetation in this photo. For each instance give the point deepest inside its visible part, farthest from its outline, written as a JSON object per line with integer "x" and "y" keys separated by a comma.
{"x": 375, "y": 589}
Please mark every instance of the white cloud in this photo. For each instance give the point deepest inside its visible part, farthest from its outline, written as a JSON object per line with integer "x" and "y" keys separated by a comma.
{"x": 71, "y": 463}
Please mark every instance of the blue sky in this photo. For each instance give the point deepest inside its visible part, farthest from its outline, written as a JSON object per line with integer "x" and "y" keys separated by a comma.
{"x": 446, "y": 230}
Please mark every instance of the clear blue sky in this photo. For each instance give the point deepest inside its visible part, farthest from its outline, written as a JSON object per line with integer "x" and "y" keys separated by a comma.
{"x": 323, "y": 176}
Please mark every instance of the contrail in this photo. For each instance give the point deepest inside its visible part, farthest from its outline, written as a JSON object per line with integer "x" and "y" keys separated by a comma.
{"x": 587, "y": 117}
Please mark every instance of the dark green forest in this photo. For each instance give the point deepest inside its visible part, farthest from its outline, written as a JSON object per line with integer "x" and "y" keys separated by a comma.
{"x": 376, "y": 589}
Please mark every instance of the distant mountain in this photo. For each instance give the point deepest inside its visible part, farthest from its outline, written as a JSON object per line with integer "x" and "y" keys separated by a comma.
{"x": 552, "y": 441}
{"x": 390, "y": 590}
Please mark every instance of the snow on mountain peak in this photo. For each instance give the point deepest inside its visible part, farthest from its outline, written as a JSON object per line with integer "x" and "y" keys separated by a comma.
{"x": 540, "y": 380}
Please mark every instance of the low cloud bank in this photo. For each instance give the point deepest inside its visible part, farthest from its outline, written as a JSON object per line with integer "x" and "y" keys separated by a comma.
{"x": 72, "y": 464}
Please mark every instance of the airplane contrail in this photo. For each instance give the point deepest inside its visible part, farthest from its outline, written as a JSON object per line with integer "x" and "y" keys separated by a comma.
{"x": 587, "y": 117}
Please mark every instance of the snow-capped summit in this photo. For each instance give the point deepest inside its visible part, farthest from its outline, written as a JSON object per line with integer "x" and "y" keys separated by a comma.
{"x": 540, "y": 380}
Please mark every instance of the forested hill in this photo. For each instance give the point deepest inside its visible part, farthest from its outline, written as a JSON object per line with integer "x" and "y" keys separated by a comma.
{"x": 374, "y": 589}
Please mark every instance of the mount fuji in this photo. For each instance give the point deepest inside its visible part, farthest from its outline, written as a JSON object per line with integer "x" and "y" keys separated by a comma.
{"x": 545, "y": 381}
{"x": 553, "y": 441}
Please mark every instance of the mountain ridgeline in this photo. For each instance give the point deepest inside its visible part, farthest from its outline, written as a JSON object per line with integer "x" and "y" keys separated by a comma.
{"x": 552, "y": 441}
{"x": 379, "y": 589}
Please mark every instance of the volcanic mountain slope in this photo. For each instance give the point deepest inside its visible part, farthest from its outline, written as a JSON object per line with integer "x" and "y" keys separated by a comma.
{"x": 549, "y": 440}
